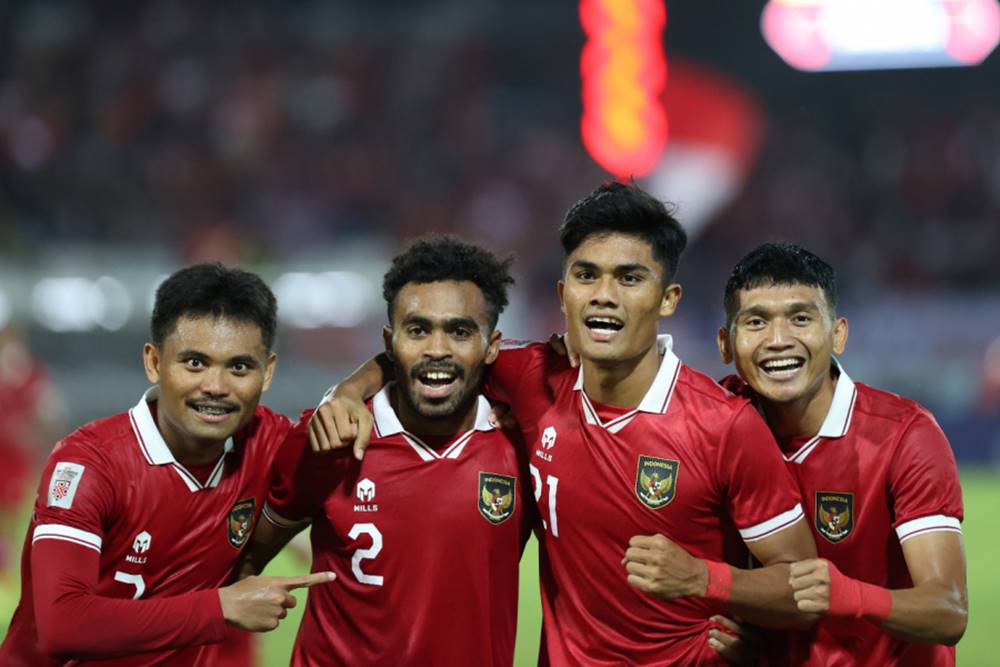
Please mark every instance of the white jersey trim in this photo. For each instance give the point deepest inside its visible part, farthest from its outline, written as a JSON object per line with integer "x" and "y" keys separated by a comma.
{"x": 155, "y": 450}
{"x": 838, "y": 418}
{"x": 928, "y": 524}
{"x": 54, "y": 531}
{"x": 280, "y": 521}
{"x": 773, "y": 525}
{"x": 387, "y": 423}
{"x": 657, "y": 398}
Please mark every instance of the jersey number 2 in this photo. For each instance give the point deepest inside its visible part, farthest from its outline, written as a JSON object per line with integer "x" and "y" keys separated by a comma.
{"x": 132, "y": 580}
{"x": 370, "y": 530}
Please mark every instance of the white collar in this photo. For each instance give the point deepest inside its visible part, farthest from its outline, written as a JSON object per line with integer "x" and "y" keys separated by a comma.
{"x": 155, "y": 450}
{"x": 387, "y": 423}
{"x": 838, "y": 418}
{"x": 657, "y": 397}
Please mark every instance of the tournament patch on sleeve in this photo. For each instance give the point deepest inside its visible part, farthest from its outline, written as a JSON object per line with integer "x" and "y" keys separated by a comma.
{"x": 64, "y": 483}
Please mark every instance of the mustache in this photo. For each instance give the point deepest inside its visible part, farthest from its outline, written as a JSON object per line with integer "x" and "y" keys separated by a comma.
{"x": 428, "y": 366}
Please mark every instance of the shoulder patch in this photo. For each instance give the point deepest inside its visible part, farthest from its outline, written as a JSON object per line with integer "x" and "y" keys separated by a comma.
{"x": 64, "y": 483}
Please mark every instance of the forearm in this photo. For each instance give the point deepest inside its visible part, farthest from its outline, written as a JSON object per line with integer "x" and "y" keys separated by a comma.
{"x": 764, "y": 598}
{"x": 75, "y": 622}
{"x": 267, "y": 541}
{"x": 366, "y": 380}
{"x": 931, "y": 613}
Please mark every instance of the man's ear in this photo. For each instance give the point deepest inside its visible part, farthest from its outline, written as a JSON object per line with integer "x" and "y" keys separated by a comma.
{"x": 671, "y": 297}
{"x": 840, "y": 331}
{"x": 151, "y": 362}
{"x": 387, "y": 340}
{"x": 493, "y": 346}
{"x": 272, "y": 360}
{"x": 725, "y": 345}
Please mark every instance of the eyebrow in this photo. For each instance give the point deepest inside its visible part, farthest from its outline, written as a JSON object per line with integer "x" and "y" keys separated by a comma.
{"x": 450, "y": 323}
{"x": 618, "y": 269}
{"x": 795, "y": 307}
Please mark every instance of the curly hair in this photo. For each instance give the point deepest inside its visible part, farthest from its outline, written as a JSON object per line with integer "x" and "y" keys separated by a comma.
{"x": 213, "y": 289}
{"x": 437, "y": 258}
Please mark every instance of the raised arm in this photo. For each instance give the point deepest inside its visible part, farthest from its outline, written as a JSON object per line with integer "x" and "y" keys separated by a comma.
{"x": 342, "y": 419}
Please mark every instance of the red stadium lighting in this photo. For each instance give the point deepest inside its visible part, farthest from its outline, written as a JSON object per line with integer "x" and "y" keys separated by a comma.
{"x": 825, "y": 35}
{"x": 624, "y": 70}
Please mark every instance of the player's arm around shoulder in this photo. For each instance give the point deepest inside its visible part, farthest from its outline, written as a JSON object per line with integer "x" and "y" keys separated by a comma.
{"x": 927, "y": 500}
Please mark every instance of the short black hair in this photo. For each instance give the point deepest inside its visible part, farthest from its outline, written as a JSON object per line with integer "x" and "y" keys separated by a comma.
{"x": 213, "y": 289}
{"x": 619, "y": 208}
{"x": 437, "y": 258}
{"x": 779, "y": 263}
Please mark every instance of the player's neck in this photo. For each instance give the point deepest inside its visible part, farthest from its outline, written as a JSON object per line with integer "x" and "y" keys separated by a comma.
{"x": 801, "y": 418}
{"x": 188, "y": 451}
{"x": 415, "y": 423}
{"x": 623, "y": 383}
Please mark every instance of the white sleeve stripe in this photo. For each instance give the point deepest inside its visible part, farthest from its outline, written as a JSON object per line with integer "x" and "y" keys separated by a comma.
{"x": 279, "y": 520}
{"x": 54, "y": 531}
{"x": 772, "y": 525}
{"x": 927, "y": 524}
{"x": 937, "y": 529}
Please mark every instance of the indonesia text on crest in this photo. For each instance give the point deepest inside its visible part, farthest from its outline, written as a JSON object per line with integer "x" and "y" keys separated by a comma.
{"x": 496, "y": 496}
{"x": 656, "y": 481}
{"x": 240, "y": 522}
{"x": 834, "y": 514}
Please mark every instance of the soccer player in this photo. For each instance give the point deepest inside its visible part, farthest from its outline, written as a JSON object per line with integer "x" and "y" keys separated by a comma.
{"x": 637, "y": 455}
{"x": 425, "y": 534}
{"x": 140, "y": 517}
{"x": 876, "y": 473}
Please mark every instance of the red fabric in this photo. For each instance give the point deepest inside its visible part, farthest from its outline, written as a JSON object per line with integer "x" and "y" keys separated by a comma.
{"x": 720, "y": 582}
{"x": 729, "y": 478}
{"x": 424, "y": 577}
{"x": 850, "y": 598}
{"x": 64, "y": 586}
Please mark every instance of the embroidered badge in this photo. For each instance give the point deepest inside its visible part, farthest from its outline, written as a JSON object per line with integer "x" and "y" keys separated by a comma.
{"x": 64, "y": 483}
{"x": 834, "y": 515}
{"x": 656, "y": 481}
{"x": 496, "y": 497}
{"x": 240, "y": 522}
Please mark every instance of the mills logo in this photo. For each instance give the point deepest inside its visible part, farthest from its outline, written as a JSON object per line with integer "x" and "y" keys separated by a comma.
{"x": 365, "y": 491}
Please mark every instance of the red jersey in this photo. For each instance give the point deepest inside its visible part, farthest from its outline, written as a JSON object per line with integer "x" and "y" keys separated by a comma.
{"x": 425, "y": 543}
{"x": 692, "y": 462}
{"x": 126, "y": 545}
{"x": 879, "y": 472}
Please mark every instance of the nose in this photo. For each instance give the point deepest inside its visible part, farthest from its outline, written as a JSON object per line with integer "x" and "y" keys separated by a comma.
{"x": 213, "y": 382}
{"x": 437, "y": 345}
{"x": 780, "y": 335}
{"x": 605, "y": 292}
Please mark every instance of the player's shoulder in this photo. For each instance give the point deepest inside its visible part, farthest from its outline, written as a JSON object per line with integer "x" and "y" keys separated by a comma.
{"x": 102, "y": 440}
{"x": 885, "y": 407}
{"x": 703, "y": 391}
{"x": 534, "y": 352}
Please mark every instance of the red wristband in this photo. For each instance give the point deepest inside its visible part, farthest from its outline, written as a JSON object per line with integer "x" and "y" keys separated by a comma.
{"x": 851, "y": 598}
{"x": 720, "y": 582}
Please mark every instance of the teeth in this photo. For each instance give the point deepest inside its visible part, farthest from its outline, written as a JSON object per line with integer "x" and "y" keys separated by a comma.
{"x": 782, "y": 364}
{"x": 212, "y": 410}
{"x": 438, "y": 376}
{"x": 606, "y": 321}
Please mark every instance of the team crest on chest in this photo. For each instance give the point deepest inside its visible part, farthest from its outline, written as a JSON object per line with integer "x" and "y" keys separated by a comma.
{"x": 240, "y": 522}
{"x": 496, "y": 497}
{"x": 834, "y": 514}
{"x": 656, "y": 481}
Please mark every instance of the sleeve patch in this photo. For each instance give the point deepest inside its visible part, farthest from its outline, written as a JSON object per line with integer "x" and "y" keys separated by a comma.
{"x": 64, "y": 483}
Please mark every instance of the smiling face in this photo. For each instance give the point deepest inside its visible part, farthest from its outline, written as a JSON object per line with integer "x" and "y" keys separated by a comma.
{"x": 782, "y": 339}
{"x": 613, "y": 296}
{"x": 440, "y": 341}
{"x": 211, "y": 372}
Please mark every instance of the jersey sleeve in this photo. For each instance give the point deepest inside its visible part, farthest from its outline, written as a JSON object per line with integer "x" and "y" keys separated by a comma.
{"x": 76, "y": 496}
{"x": 300, "y": 478}
{"x": 923, "y": 481}
{"x": 506, "y": 372}
{"x": 74, "y": 622}
{"x": 763, "y": 498}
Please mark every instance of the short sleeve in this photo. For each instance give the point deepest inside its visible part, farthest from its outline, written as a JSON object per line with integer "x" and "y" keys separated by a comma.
{"x": 76, "y": 496}
{"x": 301, "y": 478}
{"x": 763, "y": 498}
{"x": 506, "y": 373}
{"x": 923, "y": 481}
